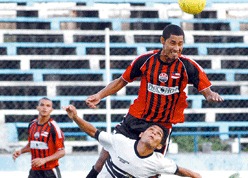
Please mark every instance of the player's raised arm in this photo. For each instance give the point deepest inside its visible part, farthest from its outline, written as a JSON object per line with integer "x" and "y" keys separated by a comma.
{"x": 187, "y": 173}
{"x": 110, "y": 89}
{"x": 84, "y": 125}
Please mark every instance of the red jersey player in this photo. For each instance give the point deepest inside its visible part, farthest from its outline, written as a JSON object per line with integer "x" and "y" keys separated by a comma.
{"x": 45, "y": 142}
{"x": 163, "y": 74}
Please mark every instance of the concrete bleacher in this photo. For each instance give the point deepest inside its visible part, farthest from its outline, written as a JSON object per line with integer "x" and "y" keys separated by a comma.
{"x": 224, "y": 130}
{"x": 57, "y": 50}
{"x": 117, "y": 48}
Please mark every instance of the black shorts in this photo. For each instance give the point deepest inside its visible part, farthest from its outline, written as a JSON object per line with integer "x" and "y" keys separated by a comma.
{"x": 52, "y": 173}
{"x": 131, "y": 127}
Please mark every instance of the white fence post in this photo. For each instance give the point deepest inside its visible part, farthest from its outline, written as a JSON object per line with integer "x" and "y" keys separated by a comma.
{"x": 108, "y": 77}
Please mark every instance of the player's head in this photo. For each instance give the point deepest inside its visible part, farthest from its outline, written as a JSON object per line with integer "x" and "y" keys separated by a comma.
{"x": 154, "y": 136}
{"x": 172, "y": 30}
{"x": 45, "y": 107}
{"x": 165, "y": 133}
{"x": 172, "y": 40}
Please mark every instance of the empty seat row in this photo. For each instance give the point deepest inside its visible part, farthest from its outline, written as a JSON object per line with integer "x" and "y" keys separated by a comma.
{"x": 70, "y": 12}
{"x": 44, "y": 73}
{"x": 238, "y": 117}
{"x": 117, "y": 49}
{"x": 72, "y": 130}
{"x": 128, "y": 9}
{"x": 96, "y": 36}
{"x": 95, "y": 62}
{"x": 79, "y": 23}
{"x": 20, "y": 97}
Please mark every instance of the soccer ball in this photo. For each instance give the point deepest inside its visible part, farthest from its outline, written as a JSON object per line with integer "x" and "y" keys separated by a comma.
{"x": 192, "y": 6}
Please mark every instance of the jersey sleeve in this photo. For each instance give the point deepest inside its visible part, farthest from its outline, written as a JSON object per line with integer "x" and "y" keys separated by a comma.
{"x": 59, "y": 138}
{"x": 106, "y": 140}
{"x": 133, "y": 71}
{"x": 196, "y": 75}
{"x": 168, "y": 166}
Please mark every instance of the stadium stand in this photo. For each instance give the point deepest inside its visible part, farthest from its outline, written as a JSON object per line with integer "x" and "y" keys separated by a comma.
{"x": 57, "y": 49}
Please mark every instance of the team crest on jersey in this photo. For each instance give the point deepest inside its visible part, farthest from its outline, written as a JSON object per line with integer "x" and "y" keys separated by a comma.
{"x": 37, "y": 135}
{"x": 163, "y": 77}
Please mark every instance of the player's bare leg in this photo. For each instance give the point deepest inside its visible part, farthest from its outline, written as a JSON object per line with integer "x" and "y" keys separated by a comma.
{"x": 99, "y": 164}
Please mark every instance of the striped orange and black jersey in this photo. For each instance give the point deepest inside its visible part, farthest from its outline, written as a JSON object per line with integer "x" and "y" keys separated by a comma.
{"x": 44, "y": 141}
{"x": 161, "y": 97}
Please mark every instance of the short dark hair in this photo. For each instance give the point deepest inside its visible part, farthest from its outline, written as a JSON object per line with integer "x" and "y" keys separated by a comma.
{"x": 44, "y": 98}
{"x": 172, "y": 30}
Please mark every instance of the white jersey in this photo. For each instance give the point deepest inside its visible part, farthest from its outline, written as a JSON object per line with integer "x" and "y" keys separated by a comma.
{"x": 124, "y": 160}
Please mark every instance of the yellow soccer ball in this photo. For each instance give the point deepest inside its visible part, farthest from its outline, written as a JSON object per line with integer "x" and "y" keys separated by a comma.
{"x": 192, "y": 6}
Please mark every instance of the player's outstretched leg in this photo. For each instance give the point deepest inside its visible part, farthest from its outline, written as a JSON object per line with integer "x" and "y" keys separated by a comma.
{"x": 99, "y": 164}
